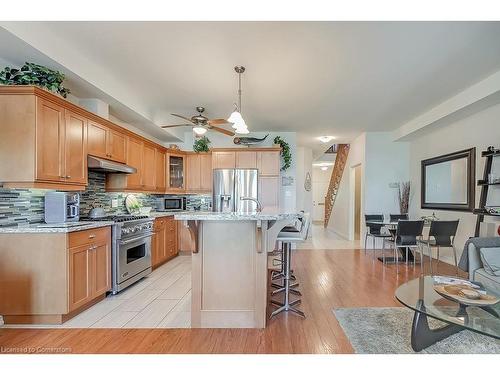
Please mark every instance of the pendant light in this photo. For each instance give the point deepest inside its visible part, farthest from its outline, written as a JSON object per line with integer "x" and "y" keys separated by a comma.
{"x": 236, "y": 119}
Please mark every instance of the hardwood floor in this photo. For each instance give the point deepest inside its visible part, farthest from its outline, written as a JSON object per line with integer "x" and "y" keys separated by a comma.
{"x": 328, "y": 279}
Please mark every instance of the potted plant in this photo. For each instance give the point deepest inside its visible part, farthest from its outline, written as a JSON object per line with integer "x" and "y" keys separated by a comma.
{"x": 37, "y": 75}
{"x": 201, "y": 145}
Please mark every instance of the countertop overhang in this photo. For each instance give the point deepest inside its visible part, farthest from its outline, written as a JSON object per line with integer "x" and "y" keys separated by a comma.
{"x": 235, "y": 216}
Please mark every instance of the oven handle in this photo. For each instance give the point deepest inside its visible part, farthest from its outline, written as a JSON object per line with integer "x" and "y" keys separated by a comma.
{"x": 135, "y": 239}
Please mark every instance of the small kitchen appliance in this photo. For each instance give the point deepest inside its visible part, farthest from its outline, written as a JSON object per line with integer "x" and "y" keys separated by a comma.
{"x": 61, "y": 207}
{"x": 171, "y": 203}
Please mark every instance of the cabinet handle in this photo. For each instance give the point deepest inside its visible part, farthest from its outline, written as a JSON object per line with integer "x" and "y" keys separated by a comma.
{"x": 67, "y": 177}
{"x": 93, "y": 247}
{"x": 92, "y": 236}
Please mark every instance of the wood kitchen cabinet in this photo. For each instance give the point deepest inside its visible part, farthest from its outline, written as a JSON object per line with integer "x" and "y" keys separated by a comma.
{"x": 269, "y": 162}
{"x": 246, "y": 159}
{"x": 176, "y": 172}
{"x": 148, "y": 168}
{"x": 164, "y": 241}
{"x": 61, "y": 138}
{"x": 160, "y": 165}
{"x": 199, "y": 172}
{"x": 269, "y": 192}
{"x": 55, "y": 276}
{"x": 106, "y": 143}
{"x": 223, "y": 159}
{"x": 135, "y": 158}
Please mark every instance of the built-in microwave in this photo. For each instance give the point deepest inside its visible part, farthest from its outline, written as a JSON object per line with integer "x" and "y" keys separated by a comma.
{"x": 172, "y": 204}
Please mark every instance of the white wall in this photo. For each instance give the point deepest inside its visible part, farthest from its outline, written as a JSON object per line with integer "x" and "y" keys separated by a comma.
{"x": 386, "y": 162}
{"x": 288, "y": 193}
{"x": 304, "y": 165}
{"x": 341, "y": 221}
{"x": 479, "y": 130}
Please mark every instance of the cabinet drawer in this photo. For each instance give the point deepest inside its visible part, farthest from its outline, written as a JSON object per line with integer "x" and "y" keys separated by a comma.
{"x": 89, "y": 236}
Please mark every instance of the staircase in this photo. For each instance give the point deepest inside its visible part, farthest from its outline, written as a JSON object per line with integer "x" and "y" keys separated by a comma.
{"x": 333, "y": 187}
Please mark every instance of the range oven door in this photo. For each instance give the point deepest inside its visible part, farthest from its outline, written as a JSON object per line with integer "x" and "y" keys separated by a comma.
{"x": 134, "y": 256}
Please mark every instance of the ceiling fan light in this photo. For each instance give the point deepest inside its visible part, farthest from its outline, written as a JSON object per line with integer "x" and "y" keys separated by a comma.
{"x": 199, "y": 130}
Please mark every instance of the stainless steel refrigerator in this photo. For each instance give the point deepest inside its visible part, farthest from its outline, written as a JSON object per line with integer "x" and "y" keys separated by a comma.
{"x": 230, "y": 185}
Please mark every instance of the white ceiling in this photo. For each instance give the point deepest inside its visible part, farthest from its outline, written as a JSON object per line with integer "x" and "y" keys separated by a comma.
{"x": 315, "y": 78}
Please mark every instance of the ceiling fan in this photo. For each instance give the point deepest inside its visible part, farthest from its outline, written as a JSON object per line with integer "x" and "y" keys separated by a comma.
{"x": 201, "y": 124}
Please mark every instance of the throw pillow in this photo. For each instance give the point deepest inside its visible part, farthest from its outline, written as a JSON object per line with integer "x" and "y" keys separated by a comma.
{"x": 490, "y": 257}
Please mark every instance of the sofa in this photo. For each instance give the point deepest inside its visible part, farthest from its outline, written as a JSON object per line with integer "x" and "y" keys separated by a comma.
{"x": 484, "y": 263}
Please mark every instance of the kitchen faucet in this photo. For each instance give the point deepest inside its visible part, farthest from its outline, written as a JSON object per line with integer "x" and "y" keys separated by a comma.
{"x": 259, "y": 205}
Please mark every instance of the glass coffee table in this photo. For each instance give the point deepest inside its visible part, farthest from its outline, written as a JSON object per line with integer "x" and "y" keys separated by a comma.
{"x": 420, "y": 296}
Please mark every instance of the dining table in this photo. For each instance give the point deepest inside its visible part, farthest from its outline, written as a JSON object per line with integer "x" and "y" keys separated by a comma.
{"x": 391, "y": 225}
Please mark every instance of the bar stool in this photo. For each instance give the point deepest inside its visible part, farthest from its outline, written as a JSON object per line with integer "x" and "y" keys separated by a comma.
{"x": 286, "y": 239}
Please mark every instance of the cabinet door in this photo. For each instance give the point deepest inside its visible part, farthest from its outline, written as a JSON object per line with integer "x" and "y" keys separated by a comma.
{"x": 80, "y": 276}
{"x": 269, "y": 163}
{"x": 246, "y": 159}
{"x": 101, "y": 269}
{"x": 49, "y": 141}
{"x": 193, "y": 182}
{"x": 223, "y": 159}
{"x": 75, "y": 149}
{"x": 269, "y": 193}
{"x": 117, "y": 146}
{"x": 161, "y": 183}
{"x": 158, "y": 242}
{"x": 149, "y": 168}
{"x": 184, "y": 242}
{"x": 176, "y": 176}
{"x": 206, "y": 172}
{"x": 97, "y": 140}
{"x": 171, "y": 247}
{"x": 134, "y": 159}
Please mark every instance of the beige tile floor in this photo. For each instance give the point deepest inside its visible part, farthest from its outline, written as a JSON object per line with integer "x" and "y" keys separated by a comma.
{"x": 163, "y": 298}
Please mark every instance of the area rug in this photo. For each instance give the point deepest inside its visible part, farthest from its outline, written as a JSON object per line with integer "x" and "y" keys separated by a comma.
{"x": 387, "y": 330}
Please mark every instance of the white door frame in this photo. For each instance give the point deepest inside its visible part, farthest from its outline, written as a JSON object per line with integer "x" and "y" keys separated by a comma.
{"x": 352, "y": 197}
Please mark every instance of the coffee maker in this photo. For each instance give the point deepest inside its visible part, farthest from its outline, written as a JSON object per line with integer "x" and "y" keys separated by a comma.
{"x": 61, "y": 207}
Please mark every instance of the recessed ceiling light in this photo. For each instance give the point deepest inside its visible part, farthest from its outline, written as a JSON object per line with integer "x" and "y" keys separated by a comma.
{"x": 326, "y": 138}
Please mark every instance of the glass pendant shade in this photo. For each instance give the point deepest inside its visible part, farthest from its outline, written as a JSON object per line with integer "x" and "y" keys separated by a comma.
{"x": 235, "y": 119}
{"x": 199, "y": 130}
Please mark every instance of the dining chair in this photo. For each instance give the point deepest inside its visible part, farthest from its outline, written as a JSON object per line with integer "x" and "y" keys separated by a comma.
{"x": 374, "y": 230}
{"x": 405, "y": 237}
{"x": 397, "y": 217}
{"x": 441, "y": 234}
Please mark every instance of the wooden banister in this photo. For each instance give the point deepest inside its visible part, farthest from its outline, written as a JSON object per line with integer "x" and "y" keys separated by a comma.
{"x": 336, "y": 177}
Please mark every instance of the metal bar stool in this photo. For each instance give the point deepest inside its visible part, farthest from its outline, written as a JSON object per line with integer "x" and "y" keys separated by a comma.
{"x": 286, "y": 239}
{"x": 441, "y": 234}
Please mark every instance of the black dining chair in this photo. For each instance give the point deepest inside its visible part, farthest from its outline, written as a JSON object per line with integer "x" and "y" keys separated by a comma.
{"x": 397, "y": 217}
{"x": 374, "y": 230}
{"x": 405, "y": 237}
{"x": 441, "y": 234}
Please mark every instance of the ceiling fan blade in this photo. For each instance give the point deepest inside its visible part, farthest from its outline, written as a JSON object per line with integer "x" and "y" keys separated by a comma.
{"x": 173, "y": 126}
{"x": 182, "y": 117}
{"x": 218, "y": 121}
{"x": 220, "y": 130}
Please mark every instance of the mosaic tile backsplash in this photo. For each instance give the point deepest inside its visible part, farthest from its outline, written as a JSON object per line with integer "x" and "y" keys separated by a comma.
{"x": 26, "y": 206}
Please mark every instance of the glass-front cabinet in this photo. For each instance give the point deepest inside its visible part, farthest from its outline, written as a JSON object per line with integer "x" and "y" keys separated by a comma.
{"x": 176, "y": 166}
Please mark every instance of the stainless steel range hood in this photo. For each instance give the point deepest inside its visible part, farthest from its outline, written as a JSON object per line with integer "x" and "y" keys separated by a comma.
{"x": 108, "y": 166}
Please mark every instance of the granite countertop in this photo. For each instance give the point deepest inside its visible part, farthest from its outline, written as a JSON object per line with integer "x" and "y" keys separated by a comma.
{"x": 235, "y": 216}
{"x": 156, "y": 214}
{"x": 44, "y": 228}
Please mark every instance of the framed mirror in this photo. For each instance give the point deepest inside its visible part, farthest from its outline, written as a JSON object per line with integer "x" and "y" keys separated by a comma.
{"x": 448, "y": 181}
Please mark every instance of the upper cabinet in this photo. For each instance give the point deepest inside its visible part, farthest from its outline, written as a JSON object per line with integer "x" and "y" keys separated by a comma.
{"x": 134, "y": 159}
{"x": 176, "y": 162}
{"x": 61, "y": 139}
{"x": 199, "y": 172}
{"x": 148, "y": 168}
{"x": 161, "y": 170}
{"x": 269, "y": 162}
{"x": 223, "y": 159}
{"x": 246, "y": 159}
{"x": 106, "y": 143}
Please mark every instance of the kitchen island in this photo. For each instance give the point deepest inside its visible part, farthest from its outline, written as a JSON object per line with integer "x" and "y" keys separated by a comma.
{"x": 229, "y": 266}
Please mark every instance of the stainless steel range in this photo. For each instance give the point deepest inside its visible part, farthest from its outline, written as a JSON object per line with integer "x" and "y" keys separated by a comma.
{"x": 131, "y": 249}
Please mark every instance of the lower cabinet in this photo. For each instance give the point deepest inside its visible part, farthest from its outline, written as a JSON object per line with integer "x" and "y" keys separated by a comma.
{"x": 89, "y": 270}
{"x": 55, "y": 276}
{"x": 164, "y": 242}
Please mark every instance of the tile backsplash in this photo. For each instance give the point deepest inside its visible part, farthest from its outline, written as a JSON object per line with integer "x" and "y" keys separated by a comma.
{"x": 26, "y": 206}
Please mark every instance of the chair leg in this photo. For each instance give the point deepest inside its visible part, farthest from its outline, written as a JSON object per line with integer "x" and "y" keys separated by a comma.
{"x": 383, "y": 251}
{"x": 455, "y": 256}
{"x": 366, "y": 239}
{"x": 430, "y": 258}
{"x": 437, "y": 263}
